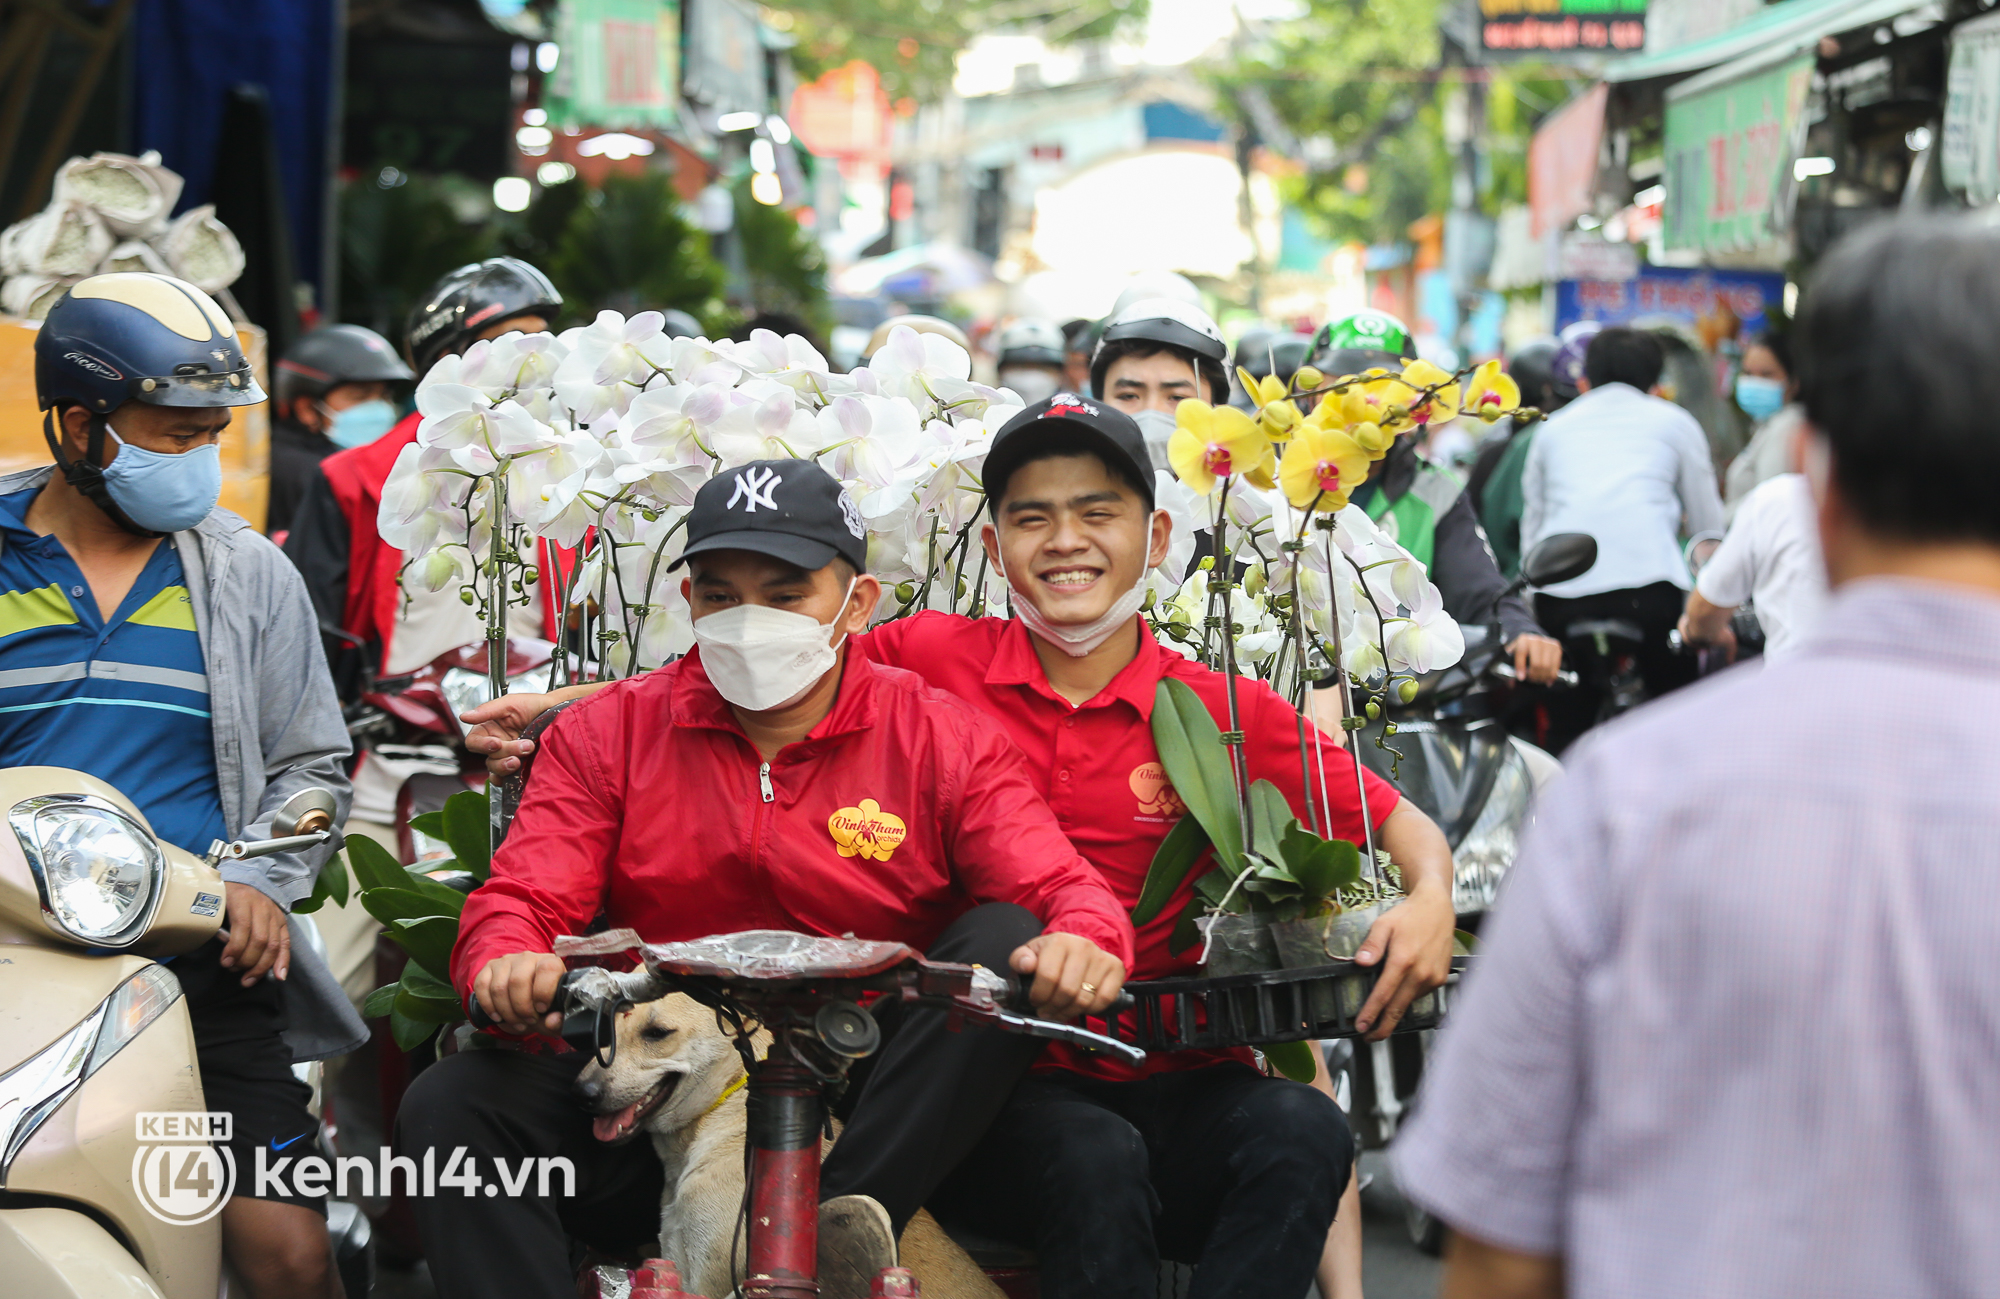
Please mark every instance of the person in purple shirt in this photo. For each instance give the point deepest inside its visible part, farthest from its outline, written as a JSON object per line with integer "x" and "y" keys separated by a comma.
{"x": 1736, "y": 1031}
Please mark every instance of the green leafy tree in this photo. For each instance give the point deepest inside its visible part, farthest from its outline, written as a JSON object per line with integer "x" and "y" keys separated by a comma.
{"x": 914, "y": 44}
{"x": 397, "y": 238}
{"x": 626, "y": 247}
{"x": 783, "y": 267}
{"x": 1358, "y": 87}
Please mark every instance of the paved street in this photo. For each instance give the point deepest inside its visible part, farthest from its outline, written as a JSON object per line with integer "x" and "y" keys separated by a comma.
{"x": 1392, "y": 1267}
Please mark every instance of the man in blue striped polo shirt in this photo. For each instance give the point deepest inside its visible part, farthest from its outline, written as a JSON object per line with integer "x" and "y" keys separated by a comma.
{"x": 161, "y": 644}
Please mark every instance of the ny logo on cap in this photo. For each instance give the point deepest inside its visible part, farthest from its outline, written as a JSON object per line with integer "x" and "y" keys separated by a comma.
{"x": 754, "y": 491}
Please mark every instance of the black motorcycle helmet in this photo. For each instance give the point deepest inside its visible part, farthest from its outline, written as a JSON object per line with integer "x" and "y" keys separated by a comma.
{"x": 474, "y": 298}
{"x": 1533, "y": 368}
{"x": 332, "y": 355}
{"x": 1366, "y": 340}
{"x": 1156, "y": 324}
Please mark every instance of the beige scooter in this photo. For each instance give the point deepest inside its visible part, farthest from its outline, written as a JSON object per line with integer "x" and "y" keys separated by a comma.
{"x": 98, "y": 1084}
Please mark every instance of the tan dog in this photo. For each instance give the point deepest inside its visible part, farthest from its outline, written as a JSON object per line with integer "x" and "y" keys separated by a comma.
{"x": 677, "y": 1078}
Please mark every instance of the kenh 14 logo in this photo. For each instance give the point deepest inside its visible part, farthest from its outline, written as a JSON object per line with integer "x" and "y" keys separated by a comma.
{"x": 181, "y": 1178}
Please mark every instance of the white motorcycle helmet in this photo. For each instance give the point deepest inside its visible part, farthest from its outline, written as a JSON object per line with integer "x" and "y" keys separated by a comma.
{"x": 1169, "y": 323}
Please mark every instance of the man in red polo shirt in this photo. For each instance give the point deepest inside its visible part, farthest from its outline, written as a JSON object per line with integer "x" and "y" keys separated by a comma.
{"x": 1197, "y": 1157}
{"x": 772, "y": 779}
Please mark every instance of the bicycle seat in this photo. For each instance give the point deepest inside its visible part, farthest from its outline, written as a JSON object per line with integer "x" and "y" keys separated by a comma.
{"x": 1609, "y": 628}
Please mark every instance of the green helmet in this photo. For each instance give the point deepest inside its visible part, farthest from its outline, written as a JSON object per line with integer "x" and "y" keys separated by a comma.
{"x": 1364, "y": 340}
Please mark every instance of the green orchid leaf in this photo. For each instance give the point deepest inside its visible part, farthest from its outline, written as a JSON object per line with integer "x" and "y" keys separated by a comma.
{"x": 468, "y": 829}
{"x": 391, "y": 905}
{"x": 428, "y": 940}
{"x": 1464, "y": 943}
{"x": 380, "y": 1001}
{"x": 431, "y": 824}
{"x": 1292, "y": 1059}
{"x": 1192, "y": 752}
{"x": 1212, "y": 887}
{"x": 373, "y": 867}
{"x": 1323, "y": 867}
{"x": 1185, "y": 935}
{"x": 1172, "y": 861}
{"x": 1269, "y": 817}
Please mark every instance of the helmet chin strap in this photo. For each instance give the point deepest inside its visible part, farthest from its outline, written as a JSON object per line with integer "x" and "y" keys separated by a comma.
{"x": 86, "y": 475}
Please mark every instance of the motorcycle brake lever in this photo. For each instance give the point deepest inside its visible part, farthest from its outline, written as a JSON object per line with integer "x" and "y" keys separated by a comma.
{"x": 1028, "y": 1026}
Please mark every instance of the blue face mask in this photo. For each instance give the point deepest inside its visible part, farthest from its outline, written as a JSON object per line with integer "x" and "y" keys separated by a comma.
{"x": 1760, "y": 398}
{"x": 359, "y": 424}
{"x": 164, "y": 493}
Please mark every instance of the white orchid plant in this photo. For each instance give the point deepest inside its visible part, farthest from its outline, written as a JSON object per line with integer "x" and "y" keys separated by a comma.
{"x": 595, "y": 441}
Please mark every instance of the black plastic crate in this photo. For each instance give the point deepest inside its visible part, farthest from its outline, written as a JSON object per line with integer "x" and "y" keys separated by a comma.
{"x": 1254, "y": 1009}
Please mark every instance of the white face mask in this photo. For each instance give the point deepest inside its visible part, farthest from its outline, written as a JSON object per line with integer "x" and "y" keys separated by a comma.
{"x": 1158, "y": 428}
{"x": 1078, "y": 639}
{"x": 1031, "y": 383}
{"x": 760, "y": 658}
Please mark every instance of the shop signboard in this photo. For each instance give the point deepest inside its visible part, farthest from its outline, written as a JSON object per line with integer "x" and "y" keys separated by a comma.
{"x": 1970, "y": 153}
{"x": 1682, "y": 295}
{"x": 1544, "y": 27}
{"x": 1729, "y": 152}
{"x": 620, "y": 65}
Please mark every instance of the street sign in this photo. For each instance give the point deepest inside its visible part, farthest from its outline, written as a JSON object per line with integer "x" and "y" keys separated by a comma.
{"x": 1544, "y": 27}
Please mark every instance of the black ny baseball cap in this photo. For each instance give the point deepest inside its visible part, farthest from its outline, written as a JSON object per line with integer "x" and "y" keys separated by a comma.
{"x": 788, "y": 509}
{"x": 1090, "y": 424}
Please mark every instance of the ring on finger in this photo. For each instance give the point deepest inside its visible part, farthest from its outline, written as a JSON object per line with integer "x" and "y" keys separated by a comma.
{"x": 1088, "y": 989}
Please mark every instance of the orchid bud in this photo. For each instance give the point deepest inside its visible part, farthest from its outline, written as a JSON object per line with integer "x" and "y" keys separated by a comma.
{"x": 1306, "y": 378}
{"x": 1407, "y": 690}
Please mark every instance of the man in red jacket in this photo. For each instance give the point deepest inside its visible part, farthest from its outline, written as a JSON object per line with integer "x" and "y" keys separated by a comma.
{"x": 350, "y": 571}
{"x": 1100, "y": 1168}
{"x": 771, "y": 779}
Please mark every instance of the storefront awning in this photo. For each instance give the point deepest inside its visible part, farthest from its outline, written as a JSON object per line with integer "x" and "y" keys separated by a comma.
{"x": 1776, "y": 31}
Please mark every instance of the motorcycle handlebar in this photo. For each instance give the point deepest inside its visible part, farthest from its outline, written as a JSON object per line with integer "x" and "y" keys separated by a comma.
{"x": 1505, "y": 671}
{"x": 588, "y": 1000}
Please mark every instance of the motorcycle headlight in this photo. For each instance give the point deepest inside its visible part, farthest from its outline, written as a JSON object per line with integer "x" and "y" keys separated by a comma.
{"x": 1482, "y": 858}
{"x": 37, "y": 1087}
{"x": 99, "y": 872}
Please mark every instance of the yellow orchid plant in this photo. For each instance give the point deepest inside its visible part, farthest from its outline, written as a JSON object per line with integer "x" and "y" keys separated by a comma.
{"x": 1290, "y": 610}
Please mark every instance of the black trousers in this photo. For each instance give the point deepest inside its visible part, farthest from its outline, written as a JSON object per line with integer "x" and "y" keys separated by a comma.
{"x": 1220, "y": 1167}
{"x": 1656, "y": 609}
{"x": 913, "y": 1112}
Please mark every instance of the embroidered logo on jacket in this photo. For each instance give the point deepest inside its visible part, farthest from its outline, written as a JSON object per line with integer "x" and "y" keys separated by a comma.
{"x": 1156, "y": 794}
{"x": 866, "y": 831}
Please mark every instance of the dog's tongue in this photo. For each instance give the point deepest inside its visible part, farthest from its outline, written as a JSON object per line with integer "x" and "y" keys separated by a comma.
{"x": 610, "y": 1127}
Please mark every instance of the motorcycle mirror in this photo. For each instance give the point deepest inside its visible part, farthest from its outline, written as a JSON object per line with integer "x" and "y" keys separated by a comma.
{"x": 306, "y": 812}
{"x": 1559, "y": 558}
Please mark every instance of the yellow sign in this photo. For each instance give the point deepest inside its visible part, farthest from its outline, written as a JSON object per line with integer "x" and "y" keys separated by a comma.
{"x": 867, "y": 831}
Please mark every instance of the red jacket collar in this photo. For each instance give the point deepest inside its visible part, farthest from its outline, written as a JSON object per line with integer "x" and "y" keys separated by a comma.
{"x": 695, "y": 701}
{"x": 1015, "y": 663}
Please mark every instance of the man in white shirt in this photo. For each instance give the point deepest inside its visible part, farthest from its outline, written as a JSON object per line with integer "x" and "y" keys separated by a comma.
{"x": 1771, "y": 556}
{"x": 1634, "y": 472}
